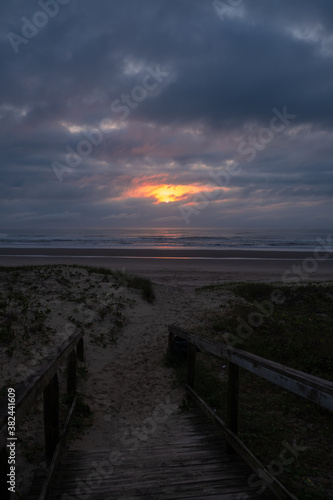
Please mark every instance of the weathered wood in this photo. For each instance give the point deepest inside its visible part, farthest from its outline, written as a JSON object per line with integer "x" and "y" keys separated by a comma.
{"x": 45, "y": 381}
{"x": 51, "y": 417}
{"x": 4, "y": 470}
{"x": 272, "y": 483}
{"x": 191, "y": 357}
{"x": 56, "y": 454}
{"x": 171, "y": 339}
{"x": 29, "y": 390}
{"x": 315, "y": 389}
{"x": 71, "y": 374}
{"x": 170, "y": 464}
{"x": 80, "y": 350}
{"x": 232, "y": 404}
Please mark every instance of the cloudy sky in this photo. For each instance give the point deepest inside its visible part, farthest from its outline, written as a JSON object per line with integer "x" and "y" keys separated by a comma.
{"x": 166, "y": 113}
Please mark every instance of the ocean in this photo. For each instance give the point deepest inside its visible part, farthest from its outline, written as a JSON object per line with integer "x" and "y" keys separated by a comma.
{"x": 167, "y": 238}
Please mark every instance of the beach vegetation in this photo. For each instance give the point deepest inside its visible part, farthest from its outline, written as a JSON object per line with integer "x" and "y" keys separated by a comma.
{"x": 125, "y": 279}
{"x": 297, "y": 333}
{"x": 76, "y": 322}
{"x": 82, "y": 371}
{"x": 30, "y": 299}
{"x": 6, "y": 334}
{"x": 144, "y": 285}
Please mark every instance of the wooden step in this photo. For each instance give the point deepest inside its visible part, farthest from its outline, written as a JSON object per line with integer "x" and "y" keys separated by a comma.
{"x": 184, "y": 459}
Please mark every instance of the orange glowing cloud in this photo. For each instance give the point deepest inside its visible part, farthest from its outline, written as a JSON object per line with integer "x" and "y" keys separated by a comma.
{"x": 165, "y": 193}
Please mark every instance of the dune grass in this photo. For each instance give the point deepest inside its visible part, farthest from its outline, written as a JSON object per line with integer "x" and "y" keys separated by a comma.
{"x": 126, "y": 279}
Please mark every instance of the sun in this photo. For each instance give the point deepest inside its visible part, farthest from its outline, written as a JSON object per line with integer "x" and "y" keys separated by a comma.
{"x": 165, "y": 193}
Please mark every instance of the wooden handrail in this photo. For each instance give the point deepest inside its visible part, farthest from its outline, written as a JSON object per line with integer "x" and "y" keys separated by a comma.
{"x": 307, "y": 386}
{"x": 313, "y": 388}
{"x": 44, "y": 380}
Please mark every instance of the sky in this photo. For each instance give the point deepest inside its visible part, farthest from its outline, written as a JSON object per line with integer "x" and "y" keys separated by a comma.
{"x": 166, "y": 113}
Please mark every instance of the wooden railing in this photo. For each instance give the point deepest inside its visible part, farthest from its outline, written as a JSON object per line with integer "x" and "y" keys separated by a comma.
{"x": 307, "y": 386}
{"x": 44, "y": 381}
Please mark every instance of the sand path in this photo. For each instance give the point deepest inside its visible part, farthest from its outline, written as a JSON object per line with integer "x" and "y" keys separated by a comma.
{"x": 128, "y": 381}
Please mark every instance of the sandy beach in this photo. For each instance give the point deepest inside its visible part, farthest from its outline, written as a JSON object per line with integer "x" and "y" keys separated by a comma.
{"x": 186, "y": 266}
{"x": 127, "y": 380}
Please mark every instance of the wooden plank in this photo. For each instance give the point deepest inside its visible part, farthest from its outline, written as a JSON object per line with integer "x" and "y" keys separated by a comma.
{"x": 164, "y": 467}
{"x": 56, "y": 456}
{"x": 51, "y": 417}
{"x": 232, "y": 404}
{"x": 71, "y": 374}
{"x": 272, "y": 483}
{"x": 159, "y": 487}
{"x": 191, "y": 356}
{"x": 80, "y": 350}
{"x": 171, "y": 339}
{"x": 313, "y": 388}
{"x": 180, "y": 495}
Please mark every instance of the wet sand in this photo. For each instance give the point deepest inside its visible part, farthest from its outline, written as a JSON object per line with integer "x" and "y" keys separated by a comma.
{"x": 187, "y": 266}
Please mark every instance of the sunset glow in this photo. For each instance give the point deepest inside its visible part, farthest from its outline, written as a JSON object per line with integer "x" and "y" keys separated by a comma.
{"x": 166, "y": 193}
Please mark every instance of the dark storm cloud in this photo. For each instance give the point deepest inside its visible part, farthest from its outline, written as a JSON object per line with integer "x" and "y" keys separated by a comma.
{"x": 296, "y": 13}
{"x": 226, "y": 72}
{"x": 221, "y": 80}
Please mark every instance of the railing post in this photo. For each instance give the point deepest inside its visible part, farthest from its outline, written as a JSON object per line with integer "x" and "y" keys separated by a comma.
{"x": 4, "y": 470}
{"x": 232, "y": 403}
{"x": 170, "y": 341}
{"x": 80, "y": 350}
{"x": 191, "y": 355}
{"x": 51, "y": 417}
{"x": 71, "y": 374}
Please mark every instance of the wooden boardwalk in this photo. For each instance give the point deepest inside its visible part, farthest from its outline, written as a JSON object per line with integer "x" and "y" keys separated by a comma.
{"x": 184, "y": 459}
